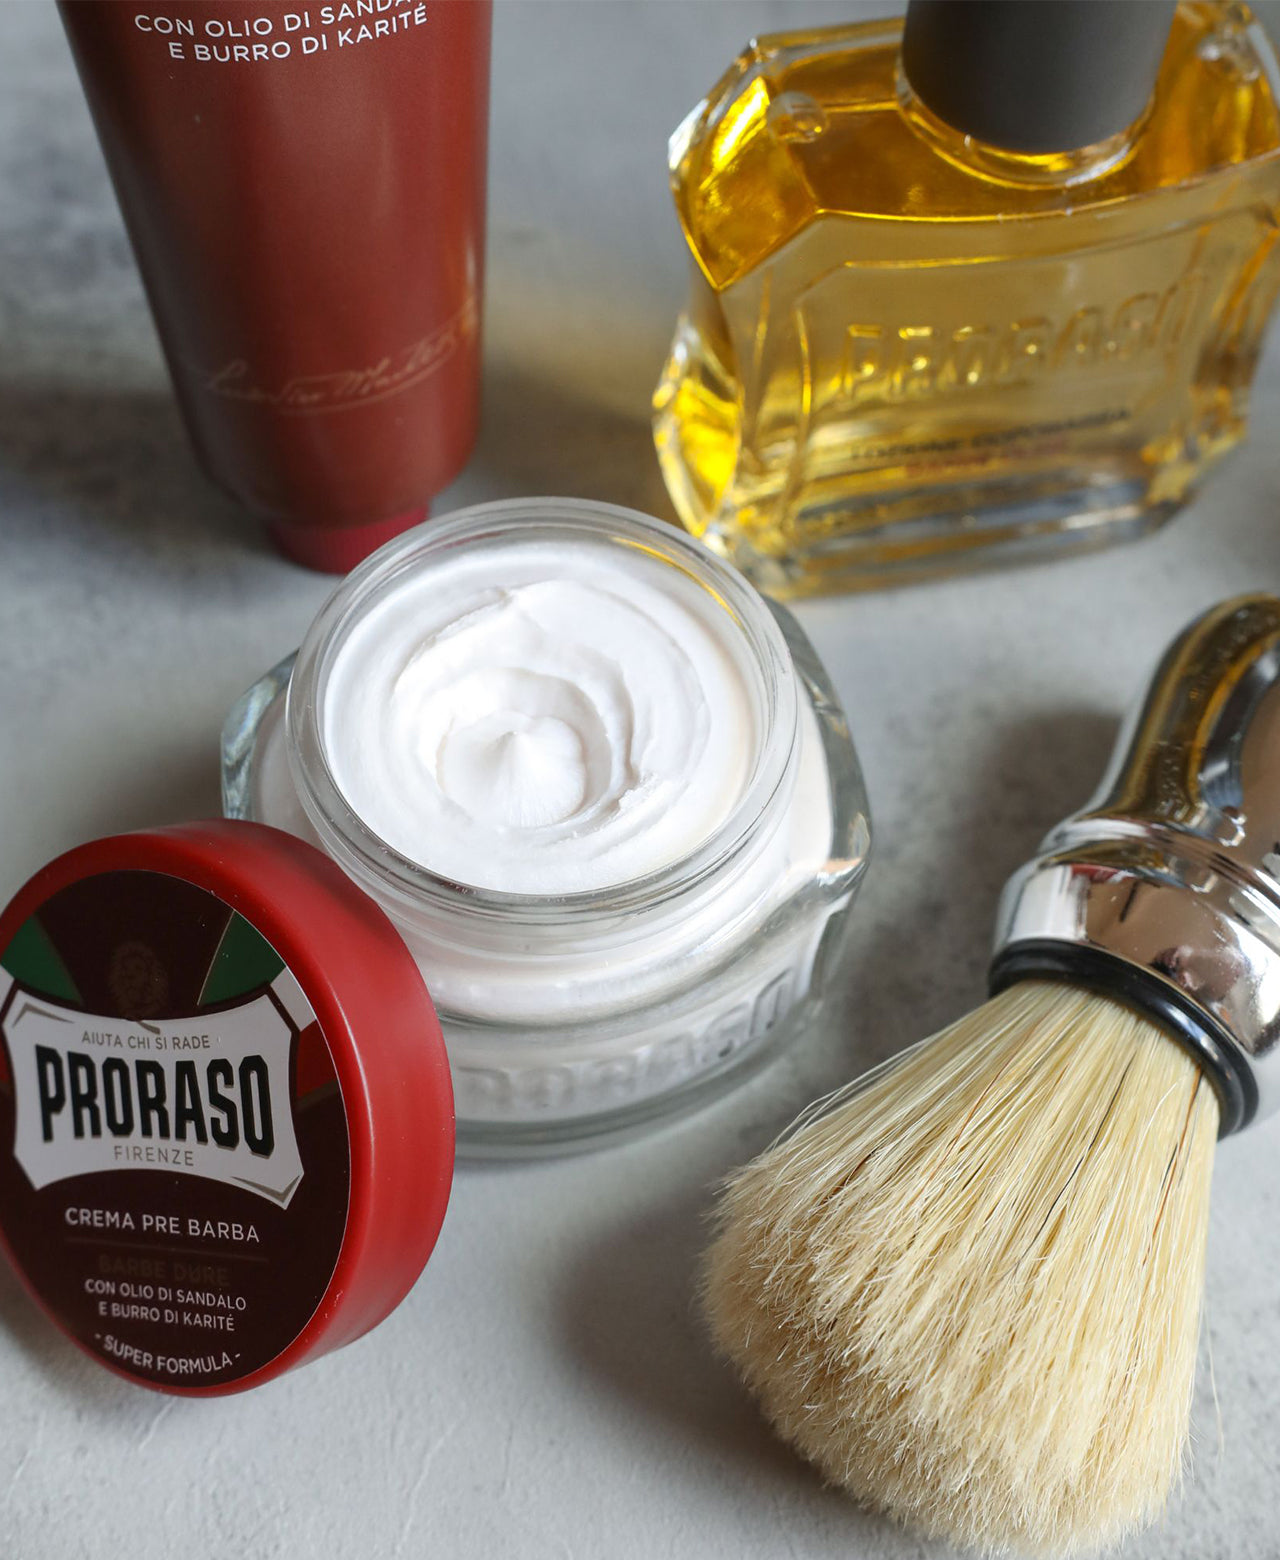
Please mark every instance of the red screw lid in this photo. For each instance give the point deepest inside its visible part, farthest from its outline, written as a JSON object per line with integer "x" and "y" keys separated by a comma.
{"x": 226, "y": 1117}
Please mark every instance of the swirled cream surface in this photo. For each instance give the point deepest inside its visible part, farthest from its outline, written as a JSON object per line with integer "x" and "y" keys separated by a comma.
{"x": 543, "y": 718}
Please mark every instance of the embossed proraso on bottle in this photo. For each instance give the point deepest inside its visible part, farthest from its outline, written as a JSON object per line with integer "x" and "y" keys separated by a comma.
{"x": 908, "y": 347}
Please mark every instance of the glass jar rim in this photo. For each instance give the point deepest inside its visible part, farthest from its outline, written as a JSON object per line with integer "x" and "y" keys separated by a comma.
{"x": 414, "y": 886}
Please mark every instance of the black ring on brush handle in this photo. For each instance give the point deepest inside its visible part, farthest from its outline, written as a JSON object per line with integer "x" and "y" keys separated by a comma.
{"x": 1110, "y": 976}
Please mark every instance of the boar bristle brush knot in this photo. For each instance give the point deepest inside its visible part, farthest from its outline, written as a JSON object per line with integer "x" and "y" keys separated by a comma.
{"x": 970, "y": 1291}
{"x": 968, "y": 1287}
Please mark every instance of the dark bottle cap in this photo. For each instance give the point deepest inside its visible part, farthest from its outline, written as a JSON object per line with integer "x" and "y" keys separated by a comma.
{"x": 1036, "y": 75}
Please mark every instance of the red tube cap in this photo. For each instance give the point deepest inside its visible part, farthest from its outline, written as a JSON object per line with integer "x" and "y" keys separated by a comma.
{"x": 226, "y": 1118}
{"x": 337, "y": 549}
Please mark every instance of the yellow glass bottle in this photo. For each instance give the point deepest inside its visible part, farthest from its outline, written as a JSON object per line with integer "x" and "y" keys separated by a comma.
{"x": 910, "y": 348}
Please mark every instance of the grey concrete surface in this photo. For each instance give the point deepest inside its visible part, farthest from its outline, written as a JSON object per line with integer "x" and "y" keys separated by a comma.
{"x": 546, "y": 1392}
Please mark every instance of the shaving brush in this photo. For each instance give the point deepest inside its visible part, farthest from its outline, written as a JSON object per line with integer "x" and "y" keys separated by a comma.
{"x": 968, "y": 1287}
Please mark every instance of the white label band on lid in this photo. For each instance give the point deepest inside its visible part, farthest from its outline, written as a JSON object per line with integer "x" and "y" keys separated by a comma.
{"x": 207, "y": 1097}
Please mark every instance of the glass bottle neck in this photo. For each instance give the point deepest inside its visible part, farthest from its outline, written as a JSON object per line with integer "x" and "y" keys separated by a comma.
{"x": 999, "y": 165}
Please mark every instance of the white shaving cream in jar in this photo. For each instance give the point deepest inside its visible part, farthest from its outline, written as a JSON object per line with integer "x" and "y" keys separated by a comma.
{"x": 571, "y": 754}
{"x": 546, "y": 719}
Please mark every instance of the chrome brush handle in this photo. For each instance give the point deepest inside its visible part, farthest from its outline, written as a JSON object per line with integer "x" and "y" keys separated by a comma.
{"x": 1165, "y": 890}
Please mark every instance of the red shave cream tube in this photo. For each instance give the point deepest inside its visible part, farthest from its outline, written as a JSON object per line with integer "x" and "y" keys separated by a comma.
{"x": 304, "y": 188}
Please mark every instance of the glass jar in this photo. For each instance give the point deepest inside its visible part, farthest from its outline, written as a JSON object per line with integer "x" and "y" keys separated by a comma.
{"x": 567, "y": 1016}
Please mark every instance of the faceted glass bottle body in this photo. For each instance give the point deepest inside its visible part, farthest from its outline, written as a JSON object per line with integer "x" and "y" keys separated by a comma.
{"x": 905, "y": 352}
